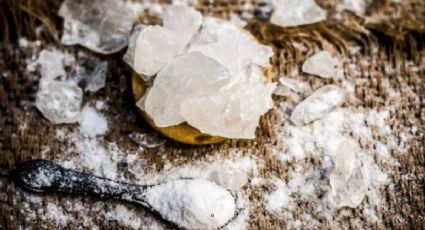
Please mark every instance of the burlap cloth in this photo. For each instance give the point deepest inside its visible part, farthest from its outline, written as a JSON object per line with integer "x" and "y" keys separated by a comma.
{"x": 391, "y": 37}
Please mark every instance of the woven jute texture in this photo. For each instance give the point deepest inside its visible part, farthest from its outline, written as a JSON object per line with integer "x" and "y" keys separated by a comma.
{"x": 391, "y": 37}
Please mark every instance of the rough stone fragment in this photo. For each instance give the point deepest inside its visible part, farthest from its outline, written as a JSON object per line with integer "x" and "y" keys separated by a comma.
{"x": 286, "y": 85}
{"x": 233, "y": 113}
{"x": 317, "y": 105}
{"x": 347, "y": 180}
{"x": 189, "y": 75}
{"x": 102, "y": 26}
{"x": 297, "y": 12}
{"x": 323, "y": 65}
{"x": 60, "y": 102}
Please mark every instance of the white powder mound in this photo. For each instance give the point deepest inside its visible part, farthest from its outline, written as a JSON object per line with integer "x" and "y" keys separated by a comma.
{"x": 59, "y": 102}
{"x": 295, "y": 13}
{"x": 323, "y": 65}
{"x": 92, "y": 123}
{"x": 318, "y": 105}
{"x": 192, "y": 204}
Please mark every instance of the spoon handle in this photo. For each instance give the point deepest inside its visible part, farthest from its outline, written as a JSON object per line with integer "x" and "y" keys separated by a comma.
{"x": 46, "y": 176}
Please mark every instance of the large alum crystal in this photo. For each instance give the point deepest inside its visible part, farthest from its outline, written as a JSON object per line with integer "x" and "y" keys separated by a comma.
{"x": 189, "y": 75}
{"x": 156, "y": 46}
{"x": 347, "y": 180}
{"x": 51, "y": 65}
{"x": 318, "y": 105}
{"x": 233, "y": 113}
{"x": 60, "y": 102}
{"x": 323, "y": 65}
{"x": 226, "y": 43}
{"x": 297, "y": 12}
{"x": 102, "y": 26}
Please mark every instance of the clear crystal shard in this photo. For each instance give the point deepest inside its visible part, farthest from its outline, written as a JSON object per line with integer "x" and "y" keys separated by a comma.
{"x": 189, "y": 75}
{"x": 227, "y": 44}
{"x": 60, "y": 102}
{"x": 51, "y": 65}
{"x": 323, "y": 65}
{"x": 96, "y": 80}
{"x": 102, "y": 26}
{"x": 156, "y": 46}
{"x": 147, "y": 140}
{"x": 289, "y": 13}
{"x": 286, "y": 85}
{"x": 233, "y": 113}
{"x": 347, "y": 181}
{"x": 318, "y": 105}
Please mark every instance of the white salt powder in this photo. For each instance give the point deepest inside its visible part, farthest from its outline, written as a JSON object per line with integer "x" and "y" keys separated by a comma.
{"x": 192, "y": 204}
{"x": 92, "y": 123}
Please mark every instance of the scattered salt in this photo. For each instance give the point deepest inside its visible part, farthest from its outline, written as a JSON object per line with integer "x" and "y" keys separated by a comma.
{"x": 323, "y": 65}
{"x": 295, "y": 13}
{"x": 92, "y": 123}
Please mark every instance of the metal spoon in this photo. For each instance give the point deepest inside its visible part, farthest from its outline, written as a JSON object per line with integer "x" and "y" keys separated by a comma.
{"x": 171, "y": 200}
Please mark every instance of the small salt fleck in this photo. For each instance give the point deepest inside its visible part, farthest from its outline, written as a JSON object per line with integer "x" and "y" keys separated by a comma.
{"x": 147, "y": 140}
{"x": 323, "y": 65}
{"x": 295, "y": 13}
{"x": 318, "y": 105}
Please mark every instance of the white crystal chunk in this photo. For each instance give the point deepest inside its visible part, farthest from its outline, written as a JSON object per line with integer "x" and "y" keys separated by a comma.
{"x": 289, "y": 13}
{"x": 59, "y": 102}
{"x": 189, "y": 75}
{"x": 155, "y": 47}
{"x": 102, "y": 26}
{"x": 347, "y": 180}
{"x": 323, "y": 65}
{"x": 318, "y": 105}
{"x": 286, "y": 85}
{"x": 51, "y": 65}
{"x": 227, "y": 44}
{"x": 233, "y": 113}
{"x": 184, "y": 21}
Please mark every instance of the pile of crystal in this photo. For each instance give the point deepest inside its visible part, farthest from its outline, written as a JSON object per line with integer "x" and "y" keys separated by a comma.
{"x": 205, "y": 71}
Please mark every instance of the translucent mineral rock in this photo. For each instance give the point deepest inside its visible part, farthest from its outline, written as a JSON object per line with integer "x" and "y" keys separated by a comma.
{"x": 287, "y": 85}
{"x": 297, "y": 12}
{"x": 323, "y": 65}
{"x": 131, "y": 50}
{"x": 318, "y": 105}
{"x": 156, "y": 46}
{"x": 233, "y": 113}
{"x": 147, "y": 140}
{"x": 227, "y": 44}
{"x": 51, "y": 65}
{"x": 184, "y": 21}
{"x": 96, "y": 80}
{"x": 213, "y": 80}
{"x": 102, "y": 26}
{"x": 347, "y": 181}
{"x": 60, "y": 102}
{"x": 189, "y": 75}
{"x": 356, "y": 6}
